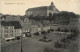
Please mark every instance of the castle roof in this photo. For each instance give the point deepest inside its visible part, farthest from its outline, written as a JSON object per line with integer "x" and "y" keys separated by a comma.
{"x": 38, "y": 8}
{"x": 51, "y": 7}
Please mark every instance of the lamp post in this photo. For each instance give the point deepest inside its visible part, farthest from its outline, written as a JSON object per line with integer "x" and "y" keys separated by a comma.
{"x": 21, "y": 45}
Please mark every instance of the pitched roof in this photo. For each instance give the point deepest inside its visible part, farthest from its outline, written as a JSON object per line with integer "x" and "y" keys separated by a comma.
{"x": 4, "y": 16}
{"x": 22, "y": 17}
{"x": 38, "y": 8}
{"x": 16, "y": 24}
{"x": 43, "y": 8}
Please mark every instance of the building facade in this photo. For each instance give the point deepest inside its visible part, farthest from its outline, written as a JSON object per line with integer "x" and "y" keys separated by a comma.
{"x": 42, "y": 11}
{"x": 10, "y": 29}
{"x": 74, "y": 23}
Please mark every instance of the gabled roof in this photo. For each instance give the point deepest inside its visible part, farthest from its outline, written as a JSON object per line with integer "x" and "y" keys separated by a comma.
{"x": 16, "y": 24}
{"x": 4, "y": 16}
{"x": 22, "y": 17}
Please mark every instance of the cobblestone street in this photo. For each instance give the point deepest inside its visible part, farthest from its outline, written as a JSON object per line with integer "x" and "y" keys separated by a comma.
{"x": 32, "y": 44}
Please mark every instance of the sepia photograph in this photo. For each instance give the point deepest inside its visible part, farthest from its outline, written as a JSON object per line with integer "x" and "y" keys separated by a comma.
{"x": 39, "y": 25}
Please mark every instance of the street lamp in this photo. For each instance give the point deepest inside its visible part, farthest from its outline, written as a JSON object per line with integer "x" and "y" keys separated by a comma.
{"x": 21, "y": 45}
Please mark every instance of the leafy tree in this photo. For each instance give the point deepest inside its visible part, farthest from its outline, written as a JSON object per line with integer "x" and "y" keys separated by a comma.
{"x": 58, "y": 45}
{"x": 48, "y": 50}
{"x": 64, "y": 40}
{"x": 52, "y": 30}
{"x": 44, "y": 34}
{"x": 36, "y": 34}
{"x": 7, "y": 40}
{"x": 58, "y": 29}
{"x": 63, "y": 14}
{"x": 31, "y": 17}
{"x": 72, "y": 36}
{"x": 48, "y": 31}
{"x": 69, "y": 37}
{"x": 28, "y": 34}
{"x": 13, "y": 39}
{"x": 66, "y": 30}
{"x": 18, "y": 38}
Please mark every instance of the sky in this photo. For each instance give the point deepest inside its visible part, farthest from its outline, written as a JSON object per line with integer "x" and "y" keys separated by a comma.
{"x": 18, "y": 7}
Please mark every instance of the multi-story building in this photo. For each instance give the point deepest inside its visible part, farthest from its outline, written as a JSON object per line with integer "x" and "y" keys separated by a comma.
{"x": 68, "y": 23}
{"x": 79, "y": 24}
{"x": 42, "y": 11}
{"x": 0, "y": 29}
{"x": 46, "y": 25}
{"x": 36, "y": 26}
{"x": 10, "y": 29}
{"x": 34, "y": 29}
{"x": 63, "y": 22}
{"x": 74, "y": 23}
{"x": 0, "y": 25}
{"x": 26, "y": 25}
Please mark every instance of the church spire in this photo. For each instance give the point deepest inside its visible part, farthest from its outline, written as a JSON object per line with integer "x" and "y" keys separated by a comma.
{"x": 51, "y": 6}
{"x": 52, "y": 3}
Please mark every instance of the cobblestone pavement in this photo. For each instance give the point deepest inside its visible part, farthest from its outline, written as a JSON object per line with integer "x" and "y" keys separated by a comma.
{"x": 32, "y": 44}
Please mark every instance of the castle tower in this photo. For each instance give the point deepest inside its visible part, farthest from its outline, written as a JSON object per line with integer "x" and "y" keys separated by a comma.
{"x": 52, "y": 3}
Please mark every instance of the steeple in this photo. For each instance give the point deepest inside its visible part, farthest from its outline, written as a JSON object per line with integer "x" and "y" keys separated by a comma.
{"x": 52, "y": 3}
{"x": 51, "y": 6}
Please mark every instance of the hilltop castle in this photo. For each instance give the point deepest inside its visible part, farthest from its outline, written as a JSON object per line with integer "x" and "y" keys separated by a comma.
{"x": 42, "y": 11}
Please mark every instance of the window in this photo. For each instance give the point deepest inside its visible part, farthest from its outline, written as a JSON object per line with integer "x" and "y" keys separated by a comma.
{"x": 5, "y": 27}
{"x": 8, "y": 27}
{"x": 11, "y": 27}
{"x": 11, "y": 34}
{"x": 11, "y": 31}
{"x": 15, "y": 30}
{"x": 6, "y": 31}
{"x": 6, "y": 35}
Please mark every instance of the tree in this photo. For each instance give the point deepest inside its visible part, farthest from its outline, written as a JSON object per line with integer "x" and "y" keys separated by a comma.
{"x": 44, "y": 34}
{"x": 69, "y": 37}
{"x": 51, "y": 30}
{"x": 8, "y": 40}
{"x": 36, "y": 34}
{"x": 28, "y": 34}
{"x": 66, "y": 30}
{"x": 72, "y": 36}
{"x": 58, "y": 29}
{"x": 64, "y": 40}
{"x": 48, "y": 31}
{"x": 18, "y": 38}
{"x": 58, "y": 45}
{"x": 13, "y": 39}
{"x": 48, "y": 50}
{"x": 31, "y": 17}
